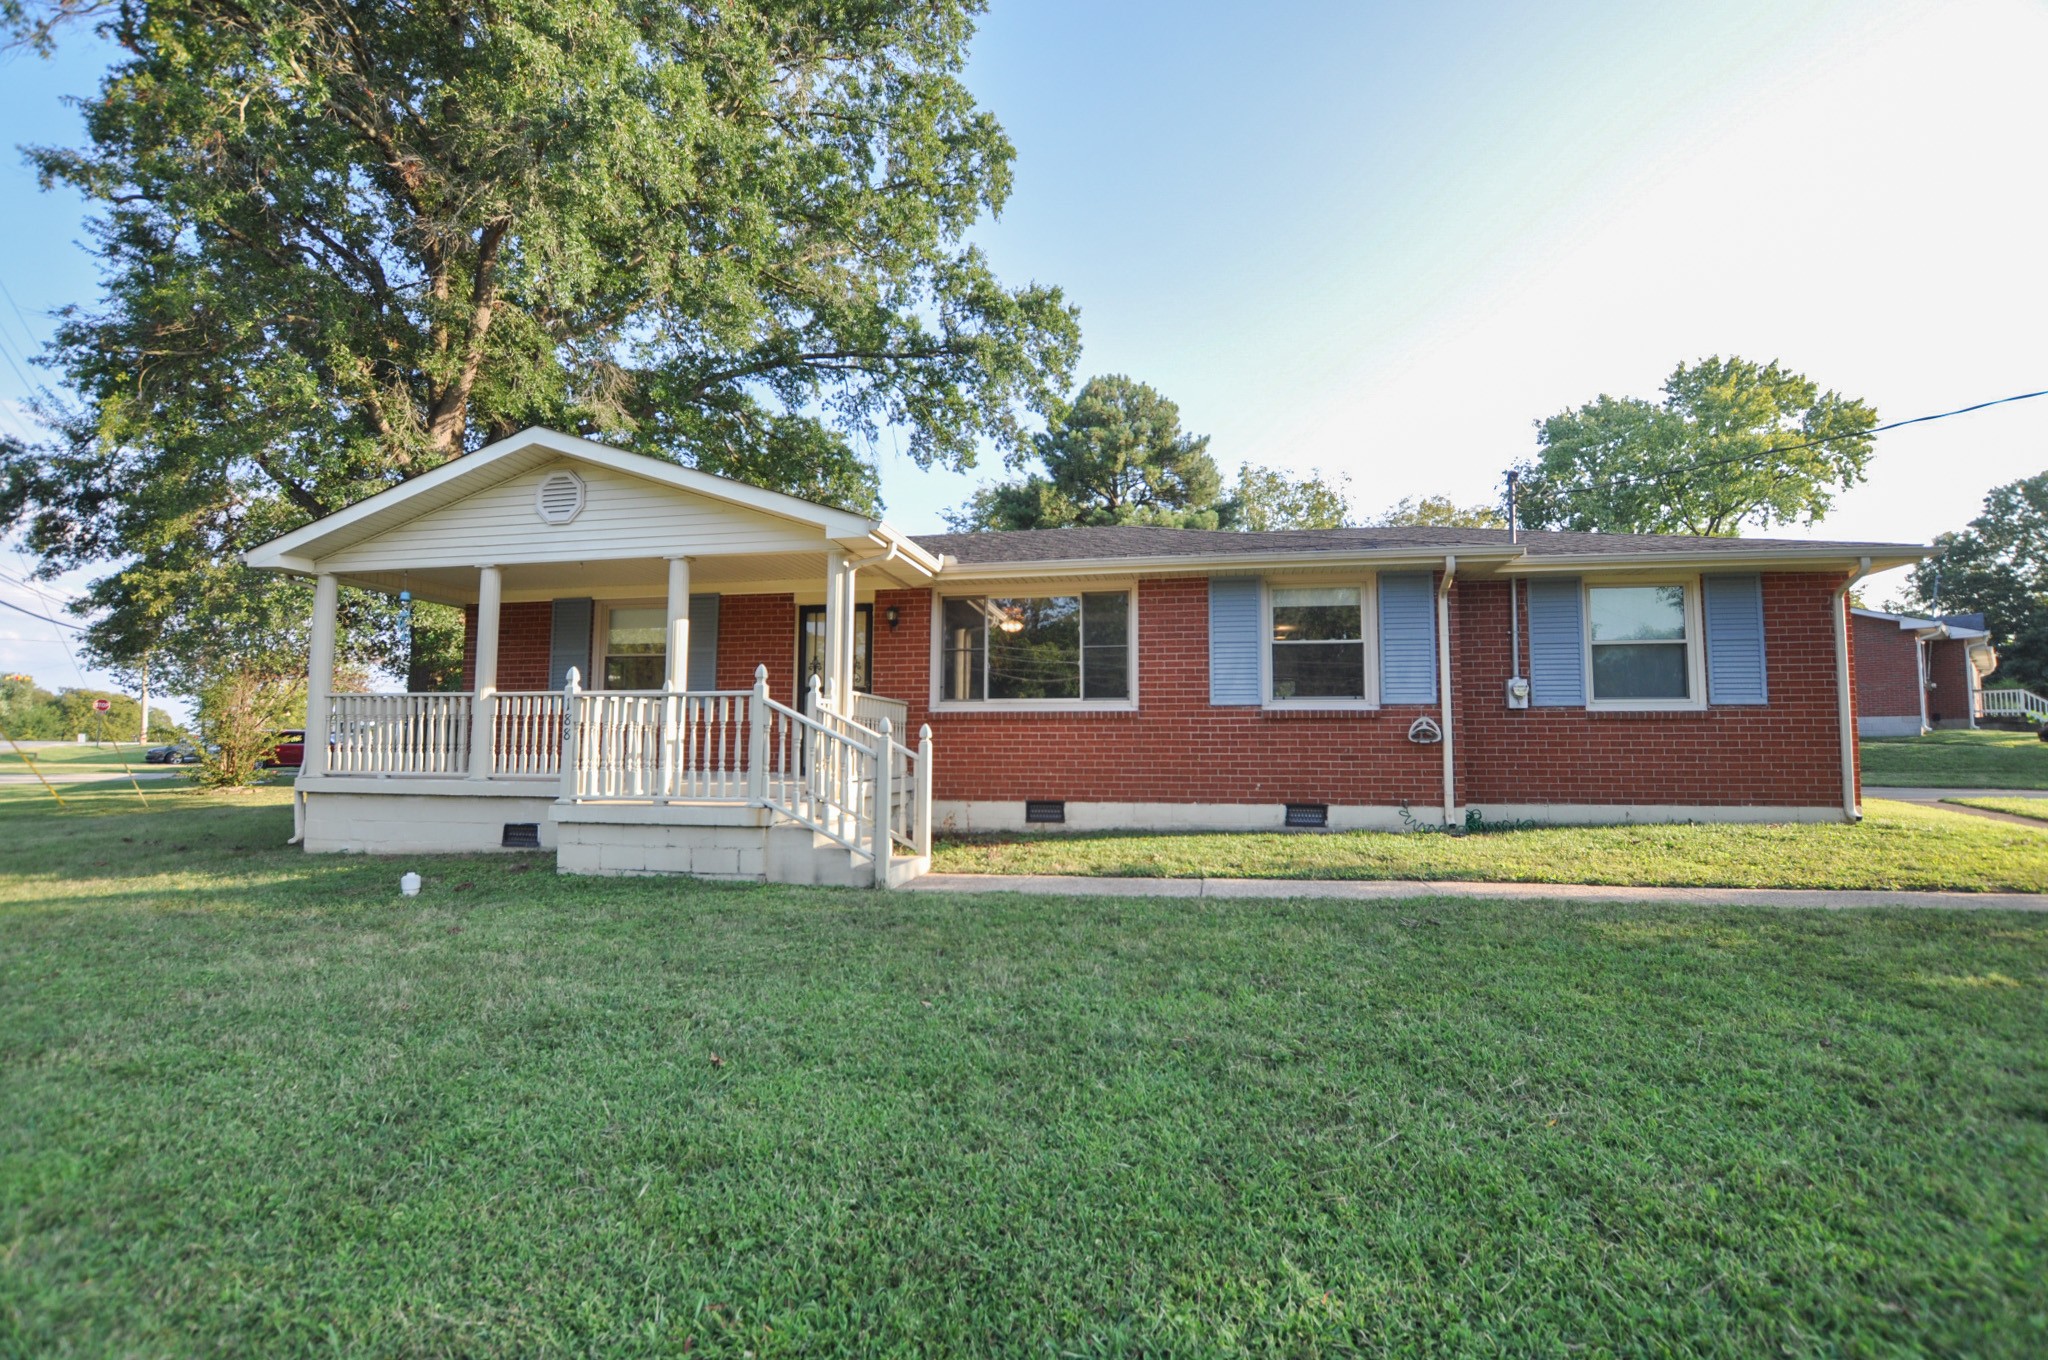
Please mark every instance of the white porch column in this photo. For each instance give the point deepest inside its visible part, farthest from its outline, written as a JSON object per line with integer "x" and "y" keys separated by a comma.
{"x": 490, "y": 593}
{"x": 678, "y": 670}
{"x": 837, "y": 623}
{"x": 319, "y": 674}
{"x": 849, "y": 639}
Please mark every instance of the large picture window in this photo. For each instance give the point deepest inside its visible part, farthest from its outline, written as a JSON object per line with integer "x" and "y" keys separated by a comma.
{"x": 1640, "y": 638}
{"x": 1318, "y": 643}
{"x": 1036, "y": 648}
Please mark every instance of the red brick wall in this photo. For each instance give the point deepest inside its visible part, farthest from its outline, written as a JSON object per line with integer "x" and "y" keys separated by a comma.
{"x": 525, "y": 631}
{"x": 1176, "y": 748}
{"x": 753, "y": 629}
{"x": 1887, "y": 672}
{"x": 1784, "y": 753}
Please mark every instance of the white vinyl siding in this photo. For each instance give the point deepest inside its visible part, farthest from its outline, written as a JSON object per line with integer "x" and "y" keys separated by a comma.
{"x": 622, "y": 517}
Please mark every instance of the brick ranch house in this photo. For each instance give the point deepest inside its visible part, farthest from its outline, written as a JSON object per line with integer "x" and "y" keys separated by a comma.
{"x": 1916, "y": 674}
{"x": 669, "y": 671}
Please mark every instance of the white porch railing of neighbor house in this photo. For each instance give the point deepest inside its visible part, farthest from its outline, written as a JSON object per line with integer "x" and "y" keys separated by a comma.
{"x": 852, "y": 784}
{"x": 398, "y": 734}
{"x": 2011, "y": 703}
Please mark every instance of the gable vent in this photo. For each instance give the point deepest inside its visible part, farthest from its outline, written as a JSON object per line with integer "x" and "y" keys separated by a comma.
{"x": 560, "y": 497}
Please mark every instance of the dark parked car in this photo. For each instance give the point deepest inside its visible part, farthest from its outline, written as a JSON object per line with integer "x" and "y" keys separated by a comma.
{"x": 290, "y": 751}
{"x": 179, "y": 753}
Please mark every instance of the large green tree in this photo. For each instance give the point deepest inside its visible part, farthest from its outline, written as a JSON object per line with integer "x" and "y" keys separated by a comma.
{"x": 1733, "y": 444}
{"x": 344, "y": 241}
{"x": 1115, "y": 454}
{"x": 1998, "y": 567}
{"x": 1269, "y": 498}
{"x": 1439, "y": 511}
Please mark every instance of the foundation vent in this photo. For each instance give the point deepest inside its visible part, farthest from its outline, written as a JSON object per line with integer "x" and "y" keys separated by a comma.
{"x": 1045, "y": 810}
{"x": 1308, "y": 814}
{"x": 521, "y": 836}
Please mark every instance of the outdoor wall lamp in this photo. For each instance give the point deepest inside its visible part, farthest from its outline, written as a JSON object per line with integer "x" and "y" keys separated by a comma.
{"x": 890, "y": 615}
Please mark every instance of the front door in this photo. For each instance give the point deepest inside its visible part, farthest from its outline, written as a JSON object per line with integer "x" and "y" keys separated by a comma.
{"x": 810, "y": 645}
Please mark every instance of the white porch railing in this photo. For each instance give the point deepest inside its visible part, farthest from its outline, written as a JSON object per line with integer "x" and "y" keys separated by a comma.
{"x": 526, "y": 728}
{"x": 854, "y": 785}
{"x": 429, "y": 734}
{"x": 2011, "y": 703}
{"x": 398, "y": 734}
{"x": 660, "y": 746}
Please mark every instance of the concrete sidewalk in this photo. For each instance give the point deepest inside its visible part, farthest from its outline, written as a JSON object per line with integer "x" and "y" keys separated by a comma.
{"x": 1939, "y": 798}
{"x": 1385, "y": 890}
{"x": 1919, "y": 795}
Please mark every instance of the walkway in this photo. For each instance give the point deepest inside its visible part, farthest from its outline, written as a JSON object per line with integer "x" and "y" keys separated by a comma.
{"x": 1938, "y": 798}
{"x": 1385, "y": 890}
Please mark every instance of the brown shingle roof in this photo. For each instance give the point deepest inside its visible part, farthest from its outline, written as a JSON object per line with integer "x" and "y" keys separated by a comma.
{"x": 1031, "y": 546}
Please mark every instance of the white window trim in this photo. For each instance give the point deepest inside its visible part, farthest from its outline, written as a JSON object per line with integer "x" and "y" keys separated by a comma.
{"x": 1369, "y": 622}
{"x": 1695, "y": 648}
{"x": 601, "y": 631}
{"x": 1025, "y": 591}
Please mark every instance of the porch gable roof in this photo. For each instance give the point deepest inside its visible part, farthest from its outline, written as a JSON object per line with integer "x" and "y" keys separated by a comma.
{"x": 305, "y": 548}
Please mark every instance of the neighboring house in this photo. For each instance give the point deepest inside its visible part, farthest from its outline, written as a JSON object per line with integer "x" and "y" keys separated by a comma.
{"x": 641, "y": 636}
{"x": 1914, "y": 674}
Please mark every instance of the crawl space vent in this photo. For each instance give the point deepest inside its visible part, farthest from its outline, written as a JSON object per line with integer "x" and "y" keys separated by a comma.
{"x": 1040, "y": 810}
{"x": 1308, "y": 814}
{"x": 560, "y": 497}
{"x": 521, "y": 836}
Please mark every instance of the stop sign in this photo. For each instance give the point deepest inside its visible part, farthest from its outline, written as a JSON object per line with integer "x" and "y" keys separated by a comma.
{"x": 102, "y": 705}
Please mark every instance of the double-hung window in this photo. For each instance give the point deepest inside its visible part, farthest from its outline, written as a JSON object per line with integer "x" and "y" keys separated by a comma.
{"x": 1642, "y": 644}
{"x": 1318, "y": 644}
{"x": 636, "y": 646}
{"x": 1036, "y": 648}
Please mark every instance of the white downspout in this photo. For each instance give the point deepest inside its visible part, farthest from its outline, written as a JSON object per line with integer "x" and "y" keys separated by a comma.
{"x": 1845, "y": 716}
{"x": 1443, "y": 686}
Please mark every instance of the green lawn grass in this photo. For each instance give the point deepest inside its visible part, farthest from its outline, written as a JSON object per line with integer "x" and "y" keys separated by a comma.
{"x": 1897, "y": 845}
{"x": 73, "y": 757}
{"x": 258, "y": 1104}
{"x": 1958, "y": 759}
{"x": 2036, "y": 808}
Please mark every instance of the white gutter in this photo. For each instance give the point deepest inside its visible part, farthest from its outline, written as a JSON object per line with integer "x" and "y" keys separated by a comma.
{"x": 1845, "y": 715}
{"x": 1443, "y": 685}
{"x": 1209, "y": 564}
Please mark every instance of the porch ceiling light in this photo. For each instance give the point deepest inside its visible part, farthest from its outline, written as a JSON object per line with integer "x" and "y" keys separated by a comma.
{"x": 1012, "y": 621}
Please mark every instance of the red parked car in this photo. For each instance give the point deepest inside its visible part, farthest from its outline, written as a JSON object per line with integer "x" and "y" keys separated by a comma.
{"x": 290, "y": 751}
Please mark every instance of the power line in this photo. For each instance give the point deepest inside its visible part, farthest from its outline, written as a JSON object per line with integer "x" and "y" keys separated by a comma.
{"x": 1836, "y": 438}
{"x": 20, "y": 609}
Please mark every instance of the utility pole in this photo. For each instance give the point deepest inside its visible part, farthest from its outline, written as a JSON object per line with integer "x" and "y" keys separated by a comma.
{"x": 144, "y": 738}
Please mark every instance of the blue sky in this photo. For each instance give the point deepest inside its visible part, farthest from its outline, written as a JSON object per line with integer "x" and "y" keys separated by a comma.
{"x": 1381, "y": 240}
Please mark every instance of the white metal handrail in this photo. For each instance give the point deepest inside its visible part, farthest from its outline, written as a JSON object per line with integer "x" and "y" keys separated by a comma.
{"x": 388, "y": 734}
{"x": 2011, "y": 703}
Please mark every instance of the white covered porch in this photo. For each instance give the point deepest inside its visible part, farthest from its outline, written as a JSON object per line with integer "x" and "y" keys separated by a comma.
{"x": 687, "y": 777}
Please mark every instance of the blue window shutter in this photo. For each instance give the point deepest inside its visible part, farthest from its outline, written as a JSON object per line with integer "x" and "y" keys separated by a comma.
{"x": 1557, "y": 657}
{"x": 1734, "y": 606}
{"x": 1234, "y": 642}
{"x": 702, "y": 672}
{"x": 569, "y": 642}
{"x": 1407, "y": 639}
